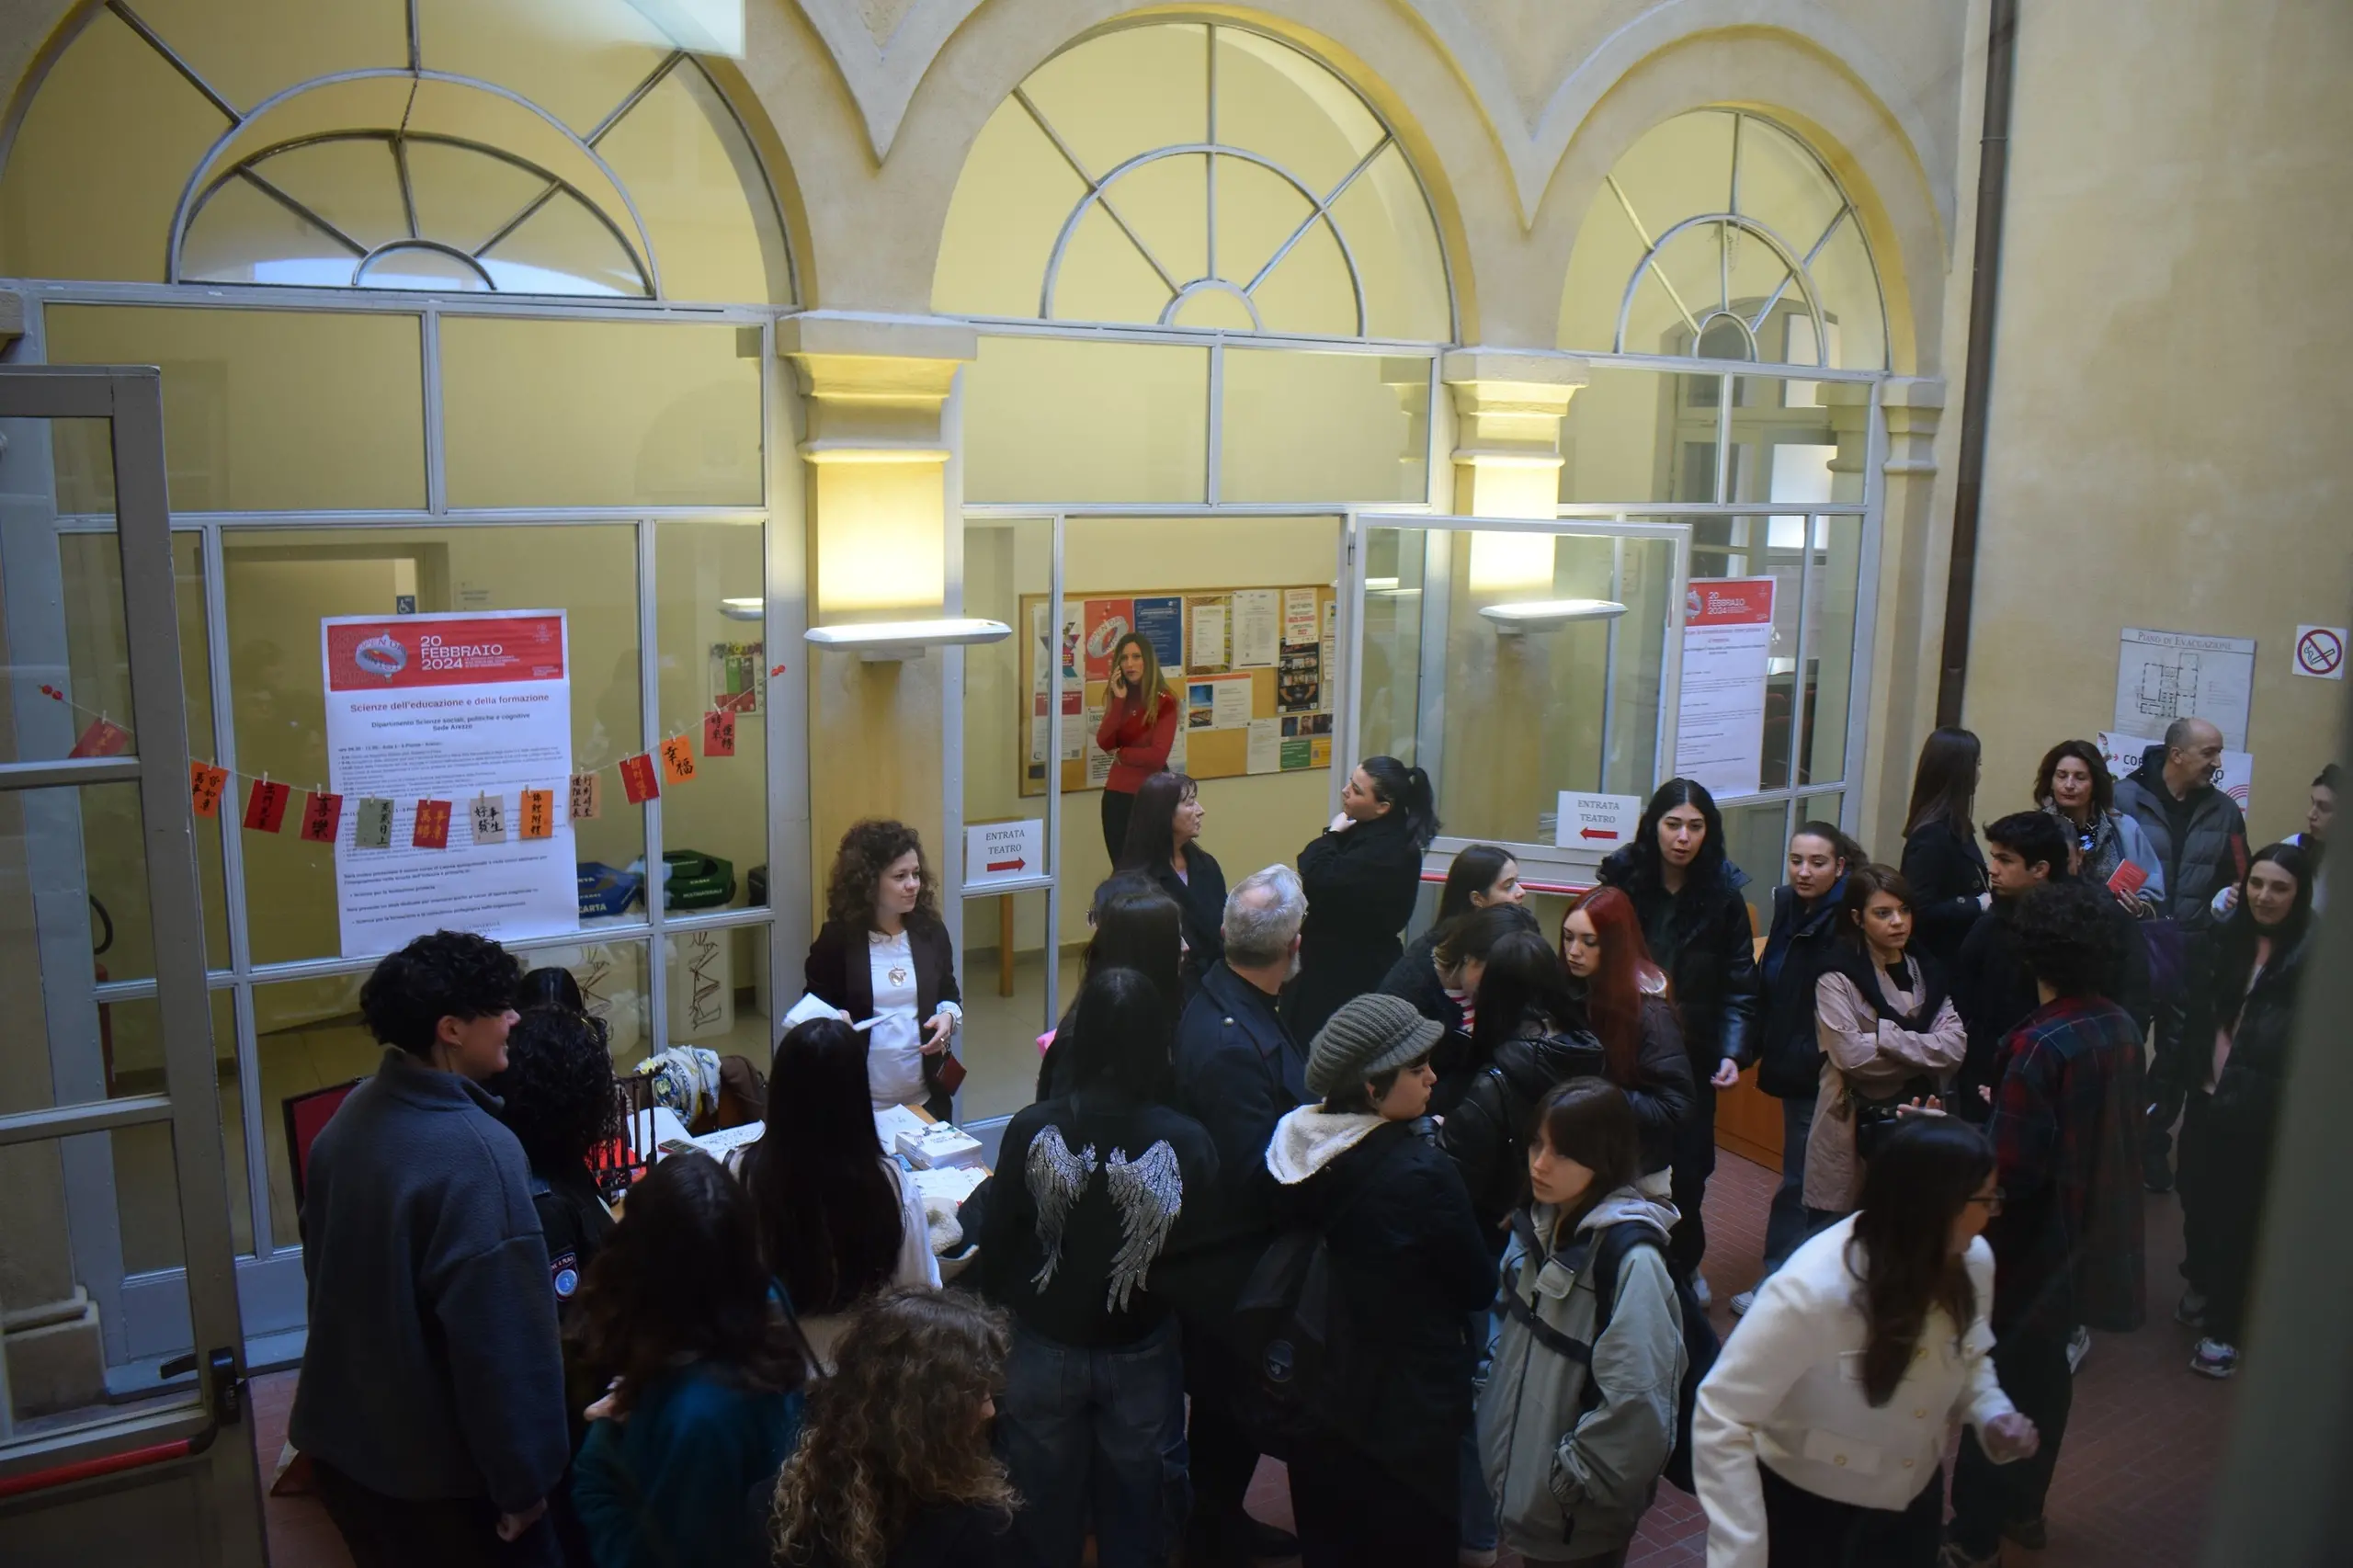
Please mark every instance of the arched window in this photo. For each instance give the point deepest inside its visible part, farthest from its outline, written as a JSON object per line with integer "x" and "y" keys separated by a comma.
{"x": 509, "y": 147}
{"x": 1191, "y": 175}
{"x": 1721, "y": 235}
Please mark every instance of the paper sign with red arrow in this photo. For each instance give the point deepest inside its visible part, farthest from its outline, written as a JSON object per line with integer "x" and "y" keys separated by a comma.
{"x": 1002, "y": 851}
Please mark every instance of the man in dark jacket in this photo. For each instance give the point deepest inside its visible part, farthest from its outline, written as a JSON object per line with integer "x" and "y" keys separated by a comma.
{"x": 1992, "y": 988}
{"x": 431, "y": 1399}
{"x": 1701, "y": 934}
{"x": 2199, "y": 835}
{"x": 2068, "y": 1243}
{"x": 1238, "y": 1073}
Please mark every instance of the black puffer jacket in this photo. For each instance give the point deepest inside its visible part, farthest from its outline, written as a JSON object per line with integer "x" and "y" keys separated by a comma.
{"x": 1710, "y": 957}
{"x": 2255, "y": 1076}
{"x": 2212, "y": 854}
{"x": 1409, "y": 1269}
{"x": 1487, "y": 1131}
{"x": 1797, "y": 952}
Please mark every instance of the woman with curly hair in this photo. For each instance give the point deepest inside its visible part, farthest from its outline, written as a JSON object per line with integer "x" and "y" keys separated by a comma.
{"x": 883, "y": 954}
{"x": 706, "y": 1375}
{"x": 557, "y": 1098}
{"x": 894, "y": 1468}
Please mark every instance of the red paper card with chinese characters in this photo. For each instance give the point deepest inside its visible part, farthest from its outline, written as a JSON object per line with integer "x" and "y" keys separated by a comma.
{"x": 266, "y": 806}
{"x": 321, "y": 814}
{"x": 103, "y": 738}
{"x": 432, "y": 826}
{"x": 718, "y": 732}
{"x": 637, "y": 779}
{"x": 206, "y": 784}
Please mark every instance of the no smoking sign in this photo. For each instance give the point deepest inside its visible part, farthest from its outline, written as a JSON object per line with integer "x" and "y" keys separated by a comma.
{"x": 2320, "y": 652}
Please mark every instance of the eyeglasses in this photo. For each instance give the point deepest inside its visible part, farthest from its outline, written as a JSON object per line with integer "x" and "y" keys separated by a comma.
{"x": 1991, "y": 1200}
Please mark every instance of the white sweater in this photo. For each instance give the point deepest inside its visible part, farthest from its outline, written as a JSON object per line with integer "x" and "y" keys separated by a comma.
{"x": 1788, "y": 1392}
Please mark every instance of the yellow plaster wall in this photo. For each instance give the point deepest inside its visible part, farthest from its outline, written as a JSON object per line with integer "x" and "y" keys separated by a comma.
{"x": 2167, "y": 443}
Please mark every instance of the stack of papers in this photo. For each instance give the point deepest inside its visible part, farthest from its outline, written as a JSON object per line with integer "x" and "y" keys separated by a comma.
{"x": 947, "y": 1188}
{"x": 939, "y": 1147}
{"x": 889, "y": 1124}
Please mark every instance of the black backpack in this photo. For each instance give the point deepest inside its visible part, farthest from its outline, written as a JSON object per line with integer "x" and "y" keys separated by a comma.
{"x": 1605, "y": 1255}
{"x": 1290, "y": 1330}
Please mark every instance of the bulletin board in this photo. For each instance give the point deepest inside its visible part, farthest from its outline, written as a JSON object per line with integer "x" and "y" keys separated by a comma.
{"x": 1257, "y": 685}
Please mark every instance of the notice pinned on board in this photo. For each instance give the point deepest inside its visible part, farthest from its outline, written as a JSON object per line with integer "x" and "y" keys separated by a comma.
{"x": 1264, "y": 753}
{"x": 1258, "y": 628}
{"x": 1727, "y": 639}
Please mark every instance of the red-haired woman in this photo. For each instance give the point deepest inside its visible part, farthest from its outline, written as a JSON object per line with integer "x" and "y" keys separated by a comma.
{"x": 1626, "y": 1007}
{"x": 1139, "y": 726}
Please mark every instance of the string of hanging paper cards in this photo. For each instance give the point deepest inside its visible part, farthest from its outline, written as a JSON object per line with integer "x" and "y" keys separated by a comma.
{"x": 670, "y": 763}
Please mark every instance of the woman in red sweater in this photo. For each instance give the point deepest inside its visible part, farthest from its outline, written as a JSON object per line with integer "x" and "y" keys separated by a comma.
{"x": 1139, "y": 726}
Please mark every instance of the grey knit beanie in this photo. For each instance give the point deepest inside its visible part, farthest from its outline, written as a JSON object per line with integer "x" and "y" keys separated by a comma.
{"x": 1365, "y": 1039}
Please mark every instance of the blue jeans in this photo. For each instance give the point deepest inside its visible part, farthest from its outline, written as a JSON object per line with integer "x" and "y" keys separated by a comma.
{"x": 1100, "y": 1435}
{"x": 1790, "y": 1223}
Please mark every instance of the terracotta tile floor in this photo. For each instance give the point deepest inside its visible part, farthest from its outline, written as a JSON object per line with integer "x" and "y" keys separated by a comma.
{"x": 2143, "y": 1445}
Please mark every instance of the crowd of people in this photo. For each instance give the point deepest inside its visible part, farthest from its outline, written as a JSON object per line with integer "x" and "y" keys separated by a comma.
{"x": 1422, "y": 1219}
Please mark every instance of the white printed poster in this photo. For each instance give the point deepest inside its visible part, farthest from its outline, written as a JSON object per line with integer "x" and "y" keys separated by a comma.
{"x": 1257, "y": 627}
{"x": 1264, "y": 750}
{"x": 1727, "y": 638}
{"x": 1299, "y": 627}
{"x": 2165, "y": 675}
{"x": 464, "y": 709}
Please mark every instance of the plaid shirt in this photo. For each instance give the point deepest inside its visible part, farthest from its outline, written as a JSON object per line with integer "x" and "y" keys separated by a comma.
{"x": 2068, "y": 1246}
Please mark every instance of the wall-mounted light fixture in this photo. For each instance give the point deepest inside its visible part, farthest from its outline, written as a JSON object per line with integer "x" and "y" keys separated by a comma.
{"x": 744, "y": 609}
{"x": 880, "y": 641}
{"x": 1547, "y": 615}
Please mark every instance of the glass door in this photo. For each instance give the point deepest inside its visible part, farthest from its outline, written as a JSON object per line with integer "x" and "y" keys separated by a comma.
{"x": 1516, "y": 661}
{"x": 111, "y": 1136}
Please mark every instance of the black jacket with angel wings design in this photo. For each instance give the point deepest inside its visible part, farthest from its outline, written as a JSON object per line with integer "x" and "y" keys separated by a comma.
{"x": 1091, "y": 1191}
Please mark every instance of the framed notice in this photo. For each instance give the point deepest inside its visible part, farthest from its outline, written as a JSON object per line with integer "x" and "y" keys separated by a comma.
{"x": 1251, "y": 669}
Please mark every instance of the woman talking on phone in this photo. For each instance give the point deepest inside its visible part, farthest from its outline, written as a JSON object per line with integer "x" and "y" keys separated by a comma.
{"x": 1362, "y": 876}
{"x": 1139, "y": 726}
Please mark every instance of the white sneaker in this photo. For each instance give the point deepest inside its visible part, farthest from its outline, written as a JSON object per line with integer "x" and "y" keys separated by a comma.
{"x": 2213, "y": 1359}
{"x": 1701, "y": 1293}
{"x": 2079, "y": 1344}
{"x": 1742, "y": 1303}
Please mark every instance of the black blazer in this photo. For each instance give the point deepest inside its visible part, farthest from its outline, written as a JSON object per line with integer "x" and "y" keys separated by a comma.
{"x": 1200, "y": 898}
{"x": 839, "y": 973}
{"x": 1947, "y": 871}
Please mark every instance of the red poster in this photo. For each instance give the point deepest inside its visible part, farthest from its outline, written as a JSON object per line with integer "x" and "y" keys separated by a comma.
{"x": 1729, "y": 601}
{"x": 103, "y": 738}
{"x": 718, "y": 732}
{"x": 266, "y": 806}
{"x": 1105, "y": 621}
{"x": 432, "y": 826}
{"x": 637, "y": 779}
{"x": 401, "y": 652}
{"x": 321, "y": 813}
{"x": 205, "y": 785}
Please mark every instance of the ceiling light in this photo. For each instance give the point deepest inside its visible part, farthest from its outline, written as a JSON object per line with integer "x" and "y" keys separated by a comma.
{"x": 884, "y": 640}
{"x": 744, "y": 609}
{"x": 1548, "y": 614}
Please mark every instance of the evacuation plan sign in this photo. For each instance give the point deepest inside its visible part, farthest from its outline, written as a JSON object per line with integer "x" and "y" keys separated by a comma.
{"x": 1000, "y": 852}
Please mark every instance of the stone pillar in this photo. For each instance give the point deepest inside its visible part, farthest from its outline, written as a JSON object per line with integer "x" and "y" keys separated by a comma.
{"x": 1908, "y": 640}
{"x": 875, "y": 391}
{"x": 1503, "y": 751}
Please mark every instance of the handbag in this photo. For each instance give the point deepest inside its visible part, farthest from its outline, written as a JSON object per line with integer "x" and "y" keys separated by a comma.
{"x": 1878, "y": 1116}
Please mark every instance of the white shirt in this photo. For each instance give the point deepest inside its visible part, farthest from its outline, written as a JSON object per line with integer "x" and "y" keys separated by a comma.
{"x": 894, "y": 1045}
{"x": 1788, "y": 1392}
